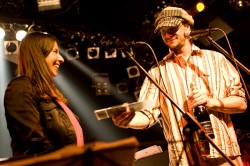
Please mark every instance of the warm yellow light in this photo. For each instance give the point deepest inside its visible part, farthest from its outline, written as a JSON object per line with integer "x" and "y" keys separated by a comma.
{"x": 200, "y": 6}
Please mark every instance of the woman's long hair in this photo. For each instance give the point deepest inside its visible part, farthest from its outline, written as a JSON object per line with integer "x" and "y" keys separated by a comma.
{"x": 33, "y": 50}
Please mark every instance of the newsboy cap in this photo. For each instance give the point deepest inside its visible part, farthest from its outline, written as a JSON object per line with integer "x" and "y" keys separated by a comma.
{"x": 172, "y": 16}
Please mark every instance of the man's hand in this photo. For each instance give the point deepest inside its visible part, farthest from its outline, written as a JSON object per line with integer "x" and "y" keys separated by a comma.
{"x": 123, "y": 118}
{"x": 198, "y": 97}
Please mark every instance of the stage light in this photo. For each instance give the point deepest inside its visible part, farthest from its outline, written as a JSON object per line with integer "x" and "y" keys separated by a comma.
{"x": 148, "y": 58}
{"x": 197, "y": 7}
{"x": 133, "y": 71}
{"x": 11, "y": 51}
{"x": 122, "y": 88}
{"x": 124, "y": 52}
{"x": 93, "y": 52}
{"x": 20, "y": 34}
{"x": 111, "y": 53}
{"x": 19, "y": 30}
{"x": 48, "y": 4}
{"x": 72, "y": 53}
{"x": 101, "y": 84}
{"x": 2, "y": 33}
{"x": 10, "y": 47}
{"x": 200, "y": 6}
{"x": 240, "y": 4}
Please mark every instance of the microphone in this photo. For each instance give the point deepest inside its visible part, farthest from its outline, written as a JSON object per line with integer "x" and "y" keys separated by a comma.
{"x": 197, "y": 33}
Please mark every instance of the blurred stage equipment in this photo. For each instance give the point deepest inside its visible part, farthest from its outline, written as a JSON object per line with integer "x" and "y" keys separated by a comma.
{"x": 162, "y": 159}
{"x": 197, "y": 7}
{"x": 240, "y": 4}
{"x": 2, "y": 33}
{"x": 148, "y": 58}
{"x": 48, "y": 4}
{"x": 118, "y": 153}
{"x": 200, "y": 6}
{"x": 123, "y": 52}
{"x": 122, "y": 88}
{"x": 218, "y": 23}
{"x": 13, "y": 31}
{"x": 93, "y": 52}
{"x": 20, "y": 34}
{"x": 110, "y": 53}
{"x": 10, "y": 47}
{"x": 133, "y": 71}
{"x": 243, "y": 137}
{"x": 72, "y": 53}
{"x": 101, "y": 84}
{"x": 20, "y": 30}
{"x": 11, "y": 50}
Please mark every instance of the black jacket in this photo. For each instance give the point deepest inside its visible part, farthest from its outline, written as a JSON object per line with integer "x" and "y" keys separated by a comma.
{"x": 35, "y": 127}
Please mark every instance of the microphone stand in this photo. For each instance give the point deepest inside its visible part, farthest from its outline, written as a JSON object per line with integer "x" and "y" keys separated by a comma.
{"x": 227, "y": 54}
{"x": 188, "y": 117}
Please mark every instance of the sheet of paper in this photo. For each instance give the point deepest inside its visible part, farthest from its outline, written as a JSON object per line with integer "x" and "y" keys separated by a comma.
{"x": 148, "y": 152}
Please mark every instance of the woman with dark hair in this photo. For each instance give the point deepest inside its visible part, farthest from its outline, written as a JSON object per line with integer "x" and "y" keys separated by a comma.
{"x": 38, "y": 118}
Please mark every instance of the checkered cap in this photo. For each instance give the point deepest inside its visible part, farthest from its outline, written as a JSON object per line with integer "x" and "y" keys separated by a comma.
{"x": 172, "y": 16}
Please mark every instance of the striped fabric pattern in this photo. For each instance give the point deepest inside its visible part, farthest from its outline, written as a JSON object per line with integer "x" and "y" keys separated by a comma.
{"x": 211, "y": 71}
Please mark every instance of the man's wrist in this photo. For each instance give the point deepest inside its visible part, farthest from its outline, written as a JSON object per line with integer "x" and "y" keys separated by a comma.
{"x": 214, "y": 104}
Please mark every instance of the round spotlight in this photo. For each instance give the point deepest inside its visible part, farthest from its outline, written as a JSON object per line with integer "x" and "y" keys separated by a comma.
{"x": 133, "y": 71}
{"x": 72, "y": 53}
{"x": 200, "y": 6}
{"x": 122, "y": 88}
{"x": 20, "y": 35}
{"x": 240, "y": 4}
{"x": 2, "y": 33}
{"x": 11, "y": 47}
{"x": 93, "y": 52}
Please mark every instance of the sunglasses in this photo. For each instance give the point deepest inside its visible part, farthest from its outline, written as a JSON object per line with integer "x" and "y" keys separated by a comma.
{"x": 169, "y": 30}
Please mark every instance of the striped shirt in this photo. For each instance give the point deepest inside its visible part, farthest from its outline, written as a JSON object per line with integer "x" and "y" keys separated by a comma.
{"x": 211, "y": 71}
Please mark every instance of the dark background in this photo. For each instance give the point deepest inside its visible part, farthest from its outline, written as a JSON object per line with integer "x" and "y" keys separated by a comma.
{"x": 83, "y": 23}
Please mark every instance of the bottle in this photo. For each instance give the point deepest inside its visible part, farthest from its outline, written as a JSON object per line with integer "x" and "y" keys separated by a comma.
{"x": 202, "y": 116}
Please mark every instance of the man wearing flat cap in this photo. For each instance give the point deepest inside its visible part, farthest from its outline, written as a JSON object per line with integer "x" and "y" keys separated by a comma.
{"x": 218, "y": 89}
